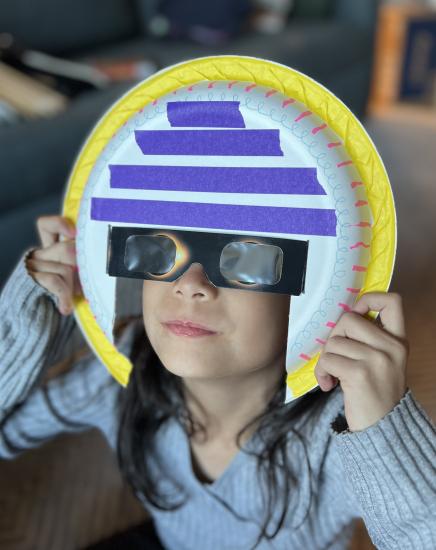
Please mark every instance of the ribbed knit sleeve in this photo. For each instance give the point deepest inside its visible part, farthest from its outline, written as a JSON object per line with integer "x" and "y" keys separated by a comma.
{"x": 391, "y": 467}
{"x": 32, "y": 334}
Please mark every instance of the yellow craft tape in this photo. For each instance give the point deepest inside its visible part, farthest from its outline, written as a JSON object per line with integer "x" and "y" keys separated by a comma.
{"x": 290, "y": 83}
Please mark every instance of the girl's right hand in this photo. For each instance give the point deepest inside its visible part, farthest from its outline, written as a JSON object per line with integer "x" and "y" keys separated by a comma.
{"x": 54, "y": 265}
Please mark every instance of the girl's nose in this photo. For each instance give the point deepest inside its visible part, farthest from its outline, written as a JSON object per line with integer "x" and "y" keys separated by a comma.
{"x": 194, "y": 282}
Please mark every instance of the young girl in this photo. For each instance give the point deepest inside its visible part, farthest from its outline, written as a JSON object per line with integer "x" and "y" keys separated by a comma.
{"x": 202, "y": 433}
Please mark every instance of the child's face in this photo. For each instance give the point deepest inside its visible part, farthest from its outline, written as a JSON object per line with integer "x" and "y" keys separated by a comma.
{"x": 250, "y": 327}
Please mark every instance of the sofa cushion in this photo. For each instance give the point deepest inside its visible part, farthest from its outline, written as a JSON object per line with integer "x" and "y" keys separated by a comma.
{"x": 18, "y": 230}
{"x": 312, "y": 8}
{"x": 37, "y": 156}
{"x": 64, "y": 26}
{"x": 315, "y": 47}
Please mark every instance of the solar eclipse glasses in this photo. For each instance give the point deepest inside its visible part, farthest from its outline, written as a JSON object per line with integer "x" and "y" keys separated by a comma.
{"x": 263, "y": 264}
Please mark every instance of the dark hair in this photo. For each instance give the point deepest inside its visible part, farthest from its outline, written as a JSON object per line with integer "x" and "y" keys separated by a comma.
{"x": 154, "y": 395}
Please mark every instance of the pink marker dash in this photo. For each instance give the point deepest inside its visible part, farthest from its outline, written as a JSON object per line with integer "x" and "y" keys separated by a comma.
{"x": 330, "y": 324}
{"x": 305, "y": 357}
{"x": 270, "y": 93}
{"x": 356, "y": 183}
{"x": 345, "y": 307}
{"x": 321, "y": 341}
{"x": 211, "y": 85}
{"x": 359, "y": 268}
{"x": 334, "y": 144}
{"x": 360, "y": 203}
{"x": 190, "y": 89}
{"x": 230, "y": 84}
{"x": 303, "y": 115}
{"x": 318, "y": 129}
{"x": 250, "y": 87}
{"x": 357, "y": 245}
{"x": 361, "y": 224}
{"x": 353, "y": 290}
{"x": 287, "y": 102}
{"x": 344, "y": 163}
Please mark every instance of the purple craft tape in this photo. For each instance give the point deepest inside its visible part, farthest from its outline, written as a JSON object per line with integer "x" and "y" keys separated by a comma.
{"x": 216, "y": 179}
{"x": 265, "y": 219}
{"x": 205, "y": 114}
{"x": 210, "y": 142}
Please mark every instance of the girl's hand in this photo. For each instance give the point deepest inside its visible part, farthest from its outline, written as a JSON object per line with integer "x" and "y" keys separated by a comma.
{"x": 368, "y": 360}
{"x": 53, "y": 265}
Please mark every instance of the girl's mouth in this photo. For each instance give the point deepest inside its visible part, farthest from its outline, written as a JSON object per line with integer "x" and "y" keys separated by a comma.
{"x": 185, "y": 329}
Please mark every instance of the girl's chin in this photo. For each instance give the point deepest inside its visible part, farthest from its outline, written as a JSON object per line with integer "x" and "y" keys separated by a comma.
{"x": 192, "y": 369}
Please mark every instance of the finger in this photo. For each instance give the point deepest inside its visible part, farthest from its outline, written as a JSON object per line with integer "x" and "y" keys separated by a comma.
{"x": 347, "y": 347}
{"x": 50, "y": 227}
{"x": 66, "y": 272}
{"x": 57, "y": 286}
{"x": 78, "y": 291}
{"x": 354, "y": 326}
{"x": 62, "y": 252}
{"x": 333, "y": 365}
{"x": 390, "y": 308}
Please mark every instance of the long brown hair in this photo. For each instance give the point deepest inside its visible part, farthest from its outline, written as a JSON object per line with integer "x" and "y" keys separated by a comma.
{"x": 154, "y": 395}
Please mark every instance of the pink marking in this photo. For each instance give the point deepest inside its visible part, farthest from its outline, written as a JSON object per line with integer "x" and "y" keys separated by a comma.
{"x": 330, "y": 324}
{"x": 250, "y": 87}
{"x": 211, "y": 84}
{"x": 353, "y": 290}
{"x": 359, "y": 268}
{"x": 344, "y": 306}
{"x": 360, "y": 203}
{"x": 190, "y": 88}
{"x": 360, "y": 243}
{"x": 334, "y": 144}
{"x": 154, "y": 102}
{"x": 288, "y": 101}
{"x": 305, "y": 357}
{"x": 230, "y": 84}
{"x": 321, "y": 341}
{"x": 318, "y": 129}
{"x": 361, "y": 224}
{"x": 140, "y": 110}
{"x": 356, "y": 183}
{"x": 344, "y": 163}
{"x": 271, "y": 92}
{"x": 303, "y": 115}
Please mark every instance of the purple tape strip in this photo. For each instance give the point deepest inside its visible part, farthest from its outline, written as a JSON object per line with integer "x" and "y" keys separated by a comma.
{"x": 210, "y": 142}
{"x": 205, "y": 114}
{"x": 216, "y": 179}
{"x": 268, "y": 219}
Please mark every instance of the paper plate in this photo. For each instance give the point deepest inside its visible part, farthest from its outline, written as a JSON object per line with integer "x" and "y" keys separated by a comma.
{"x": 254, "y": 113}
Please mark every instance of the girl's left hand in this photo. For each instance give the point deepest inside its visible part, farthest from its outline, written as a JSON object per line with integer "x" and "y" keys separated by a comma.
{"x": 368, "y": 360}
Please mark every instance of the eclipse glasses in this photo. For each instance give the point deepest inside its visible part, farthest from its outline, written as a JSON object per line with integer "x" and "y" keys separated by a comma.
{"x": 245, "y": 262}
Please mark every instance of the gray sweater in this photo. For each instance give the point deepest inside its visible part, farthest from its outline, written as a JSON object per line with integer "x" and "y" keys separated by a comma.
{"x": 384, "y": 474}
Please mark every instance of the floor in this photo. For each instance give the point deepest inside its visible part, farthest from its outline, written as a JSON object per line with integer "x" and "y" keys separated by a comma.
{"x": 68, "y": 493}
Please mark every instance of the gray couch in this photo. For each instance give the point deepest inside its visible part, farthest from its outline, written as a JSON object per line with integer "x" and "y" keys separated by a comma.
{"x": 330, "y": 40}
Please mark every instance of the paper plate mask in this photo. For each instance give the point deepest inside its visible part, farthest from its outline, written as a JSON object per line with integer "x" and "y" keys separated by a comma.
{"x": 252, "y": 169}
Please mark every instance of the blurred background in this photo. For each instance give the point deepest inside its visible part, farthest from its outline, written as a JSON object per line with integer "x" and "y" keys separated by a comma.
{"x": 62, "y": 64}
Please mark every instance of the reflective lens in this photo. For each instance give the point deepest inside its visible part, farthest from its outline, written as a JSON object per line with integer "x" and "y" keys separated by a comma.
{"x": 252, "y": 263}
{"x": 150, "y": 254}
